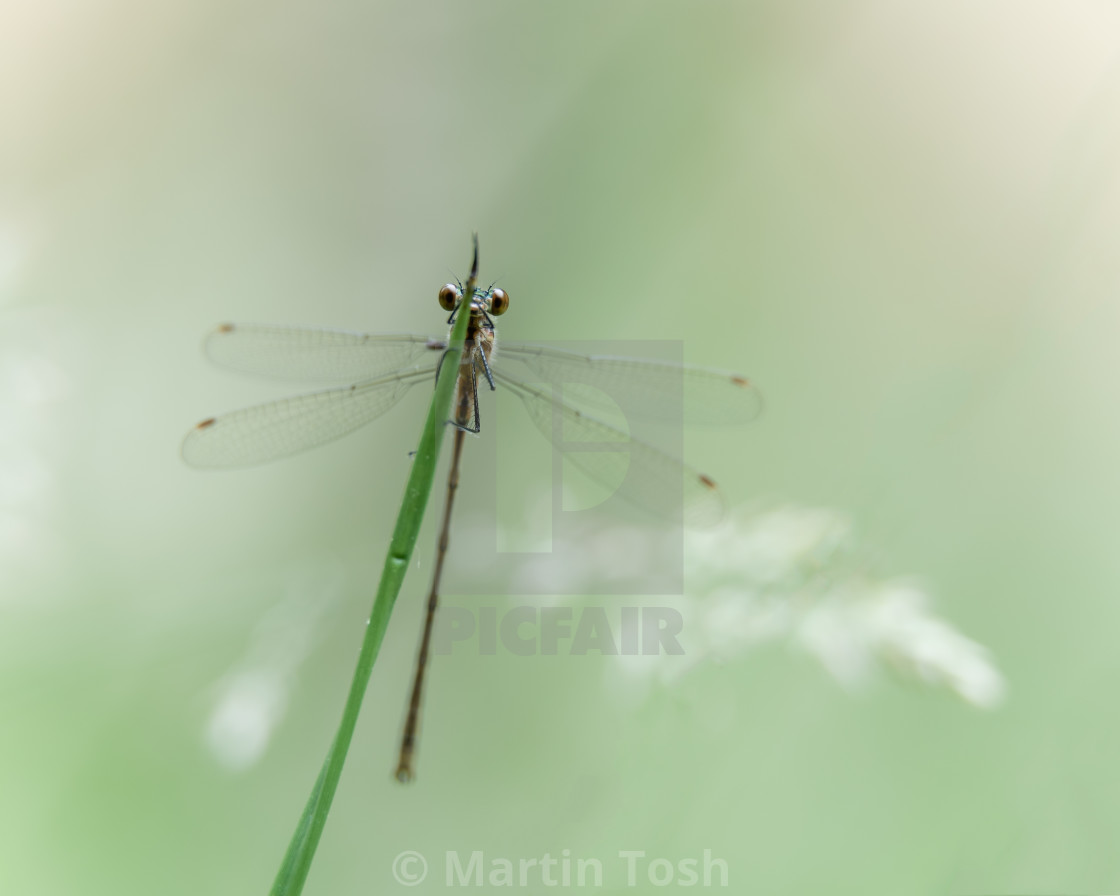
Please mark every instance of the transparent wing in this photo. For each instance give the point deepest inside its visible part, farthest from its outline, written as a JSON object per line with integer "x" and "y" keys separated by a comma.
{"x": 654, "y": 480}
{"x": 655, "y": 390}
{"x": 310, "y": 355}
{"x": 270, "y": 431}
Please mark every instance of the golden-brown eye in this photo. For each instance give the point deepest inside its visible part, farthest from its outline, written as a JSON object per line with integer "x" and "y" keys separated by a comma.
{"x": 449, "y": 296}
{"x": 499, "y": 301}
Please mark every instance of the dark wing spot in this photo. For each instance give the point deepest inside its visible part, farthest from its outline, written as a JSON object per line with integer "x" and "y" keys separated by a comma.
{"x": 740, "y": 381}
{"x": 206, "y": 424}
{"x": 225, "y": 328}
{"x": 436, "y": 345}
{"x": 707, "y": 482}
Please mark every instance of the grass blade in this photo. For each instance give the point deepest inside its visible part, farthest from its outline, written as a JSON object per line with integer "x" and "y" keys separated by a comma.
{"x": 297, "y": 860}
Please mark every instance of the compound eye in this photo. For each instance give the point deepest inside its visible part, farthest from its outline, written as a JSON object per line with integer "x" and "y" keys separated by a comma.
{"x": 499, "y": 301}
{"x": 449, "y": 297}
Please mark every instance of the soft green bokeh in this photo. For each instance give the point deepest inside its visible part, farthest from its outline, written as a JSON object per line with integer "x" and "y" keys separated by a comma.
{"x": 899, "y": 219}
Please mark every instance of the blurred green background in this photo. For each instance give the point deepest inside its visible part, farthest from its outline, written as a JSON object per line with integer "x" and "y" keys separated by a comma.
{"x": 899, "y": 219}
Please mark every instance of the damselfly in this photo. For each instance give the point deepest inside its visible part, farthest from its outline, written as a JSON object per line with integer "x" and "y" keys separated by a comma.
{"x": 377, "y": 370}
